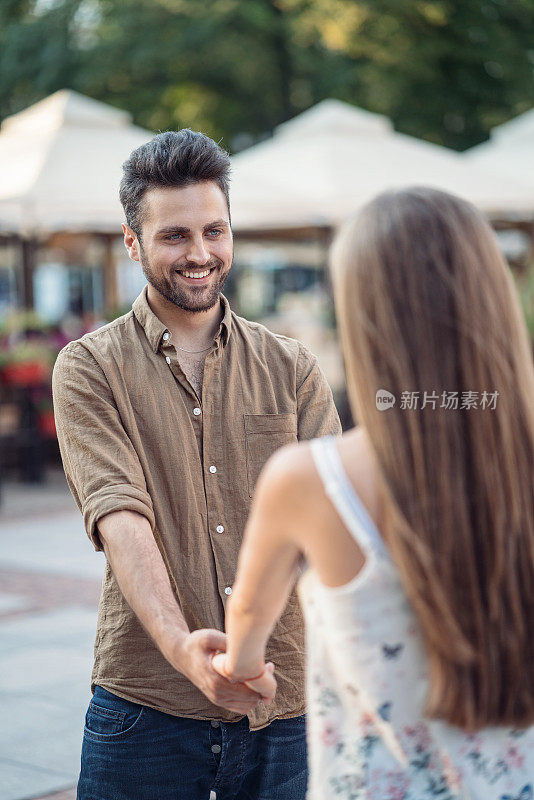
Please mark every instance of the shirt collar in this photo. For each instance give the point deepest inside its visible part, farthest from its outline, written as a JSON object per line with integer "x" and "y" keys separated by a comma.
{"x": 154, "y": 327}
{"x": 225, "y": 328}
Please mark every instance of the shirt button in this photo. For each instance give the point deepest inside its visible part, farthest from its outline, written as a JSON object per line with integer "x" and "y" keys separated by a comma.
{"x": 166, "y": 335}
{"x": 197, "y": 411}
{"x": 213, "y": 469}
{"x": 220, "y": 529}
{"x": 228, "y": 590}
{"x": 216, "y": 748}
{"x": 215, "y": 723}
{"x": 167, "y": 359}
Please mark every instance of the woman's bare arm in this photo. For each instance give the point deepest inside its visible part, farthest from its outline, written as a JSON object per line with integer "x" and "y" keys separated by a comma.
{"x": 268, "y": 561}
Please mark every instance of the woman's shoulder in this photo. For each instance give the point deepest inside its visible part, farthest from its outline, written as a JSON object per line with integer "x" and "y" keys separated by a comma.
{"x": 291, "y": 493}
{"x": 289, "y": 469}
{"x": 291, "y": 472}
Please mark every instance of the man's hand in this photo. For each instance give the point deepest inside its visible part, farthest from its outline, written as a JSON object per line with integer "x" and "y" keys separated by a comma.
{"x": 193, "y": 659}
{"x": 264, "y": 684}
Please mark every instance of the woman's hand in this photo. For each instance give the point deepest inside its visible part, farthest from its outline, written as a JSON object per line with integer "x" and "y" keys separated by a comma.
{"x": 264, "y": 684}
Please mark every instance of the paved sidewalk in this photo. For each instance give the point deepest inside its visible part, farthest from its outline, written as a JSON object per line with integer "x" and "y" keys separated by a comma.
{"x": 69, "y": 794}
{"x": 50, "y": 580}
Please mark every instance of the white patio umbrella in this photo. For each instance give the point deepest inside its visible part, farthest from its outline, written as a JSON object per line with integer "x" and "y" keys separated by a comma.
{"x": 60, "y": 162}
{"x": 325, "y": 163}
{"x": 509, "y": 152}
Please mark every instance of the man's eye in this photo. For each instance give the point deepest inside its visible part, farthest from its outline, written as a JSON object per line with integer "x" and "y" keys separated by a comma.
{"x": 215, "y": 232}
{"x": 174, "y": 236}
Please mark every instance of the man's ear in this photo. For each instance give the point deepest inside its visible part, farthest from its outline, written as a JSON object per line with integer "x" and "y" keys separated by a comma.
{"x": 131, "y": 242}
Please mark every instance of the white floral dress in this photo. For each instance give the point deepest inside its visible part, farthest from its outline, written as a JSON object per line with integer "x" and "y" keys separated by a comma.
{"x": 367, "y": 684}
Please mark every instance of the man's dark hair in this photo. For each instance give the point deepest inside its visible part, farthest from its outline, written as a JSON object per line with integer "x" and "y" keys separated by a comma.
{"x": 173, "y": 158}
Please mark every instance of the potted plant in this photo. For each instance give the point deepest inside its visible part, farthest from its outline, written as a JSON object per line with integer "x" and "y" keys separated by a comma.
{"x": 27, "y": 363}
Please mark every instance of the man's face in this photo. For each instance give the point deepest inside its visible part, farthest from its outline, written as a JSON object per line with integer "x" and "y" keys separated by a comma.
{"x": 186, "y": 245}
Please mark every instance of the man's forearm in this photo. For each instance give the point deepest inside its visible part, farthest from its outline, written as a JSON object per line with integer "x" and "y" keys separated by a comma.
{"x": 140, "y": 571}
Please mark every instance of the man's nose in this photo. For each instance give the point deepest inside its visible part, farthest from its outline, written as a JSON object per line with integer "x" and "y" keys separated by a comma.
{"x": 197, "y": 251}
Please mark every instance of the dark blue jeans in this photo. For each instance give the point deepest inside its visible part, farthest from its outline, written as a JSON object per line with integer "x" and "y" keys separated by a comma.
{"x": 132, "y": 752}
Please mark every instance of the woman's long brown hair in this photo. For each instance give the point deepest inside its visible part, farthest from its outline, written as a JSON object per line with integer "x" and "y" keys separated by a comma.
{"x": 426, "y": 303}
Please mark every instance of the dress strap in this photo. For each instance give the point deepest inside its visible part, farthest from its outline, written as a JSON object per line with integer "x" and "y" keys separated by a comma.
{"x": 344, "y": 497}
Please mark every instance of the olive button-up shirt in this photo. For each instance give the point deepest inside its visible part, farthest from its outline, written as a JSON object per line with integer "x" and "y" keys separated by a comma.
{"x": 135, "y": 435}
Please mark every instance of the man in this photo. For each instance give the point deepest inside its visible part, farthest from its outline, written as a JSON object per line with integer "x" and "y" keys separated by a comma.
{"x": 165, "y": 418}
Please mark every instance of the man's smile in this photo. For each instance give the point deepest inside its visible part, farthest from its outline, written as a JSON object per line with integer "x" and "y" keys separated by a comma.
{"x": 195, "y": 276}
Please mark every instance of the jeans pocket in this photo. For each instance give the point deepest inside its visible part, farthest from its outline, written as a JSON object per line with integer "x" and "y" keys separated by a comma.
{"x": 111, "y": 717}
{"x": 103, "y": 720}
{"x": 291, "y": 731}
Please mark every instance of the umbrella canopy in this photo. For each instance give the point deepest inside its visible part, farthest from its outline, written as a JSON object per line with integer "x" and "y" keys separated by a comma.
{"x": 509, "y": 152}
{"x": 60, "y": 162}
{"x": 325, "y": 163}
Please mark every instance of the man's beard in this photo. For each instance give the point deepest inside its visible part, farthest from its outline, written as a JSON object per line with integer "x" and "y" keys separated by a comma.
{"x": 189, "y": 298}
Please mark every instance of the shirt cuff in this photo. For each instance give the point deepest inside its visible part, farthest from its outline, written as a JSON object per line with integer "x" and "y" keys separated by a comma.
{"x": 121, "y": 497}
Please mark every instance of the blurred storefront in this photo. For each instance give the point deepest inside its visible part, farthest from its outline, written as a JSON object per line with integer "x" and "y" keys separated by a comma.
{"x": 69, "y": 277}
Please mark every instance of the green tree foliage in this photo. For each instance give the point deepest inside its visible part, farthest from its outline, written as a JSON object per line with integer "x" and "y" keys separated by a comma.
{"x": 442, "y": 70}
{"x": 37, "y": 51}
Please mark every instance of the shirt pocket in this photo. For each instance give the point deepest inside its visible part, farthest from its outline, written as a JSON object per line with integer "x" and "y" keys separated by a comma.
{"x": 264, "y": 434}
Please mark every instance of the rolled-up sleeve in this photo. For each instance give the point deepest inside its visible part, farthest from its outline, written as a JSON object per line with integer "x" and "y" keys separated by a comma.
{"x": 317, "y": 413}
{"x": 101, "y": 465}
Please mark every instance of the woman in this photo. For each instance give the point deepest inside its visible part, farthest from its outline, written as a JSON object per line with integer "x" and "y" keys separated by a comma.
{"x": 417, "y": 526}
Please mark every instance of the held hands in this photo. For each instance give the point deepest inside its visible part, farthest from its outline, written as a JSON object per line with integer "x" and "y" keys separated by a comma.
{"x": 194, "y": 659}
{"x": 264, "y": 684}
